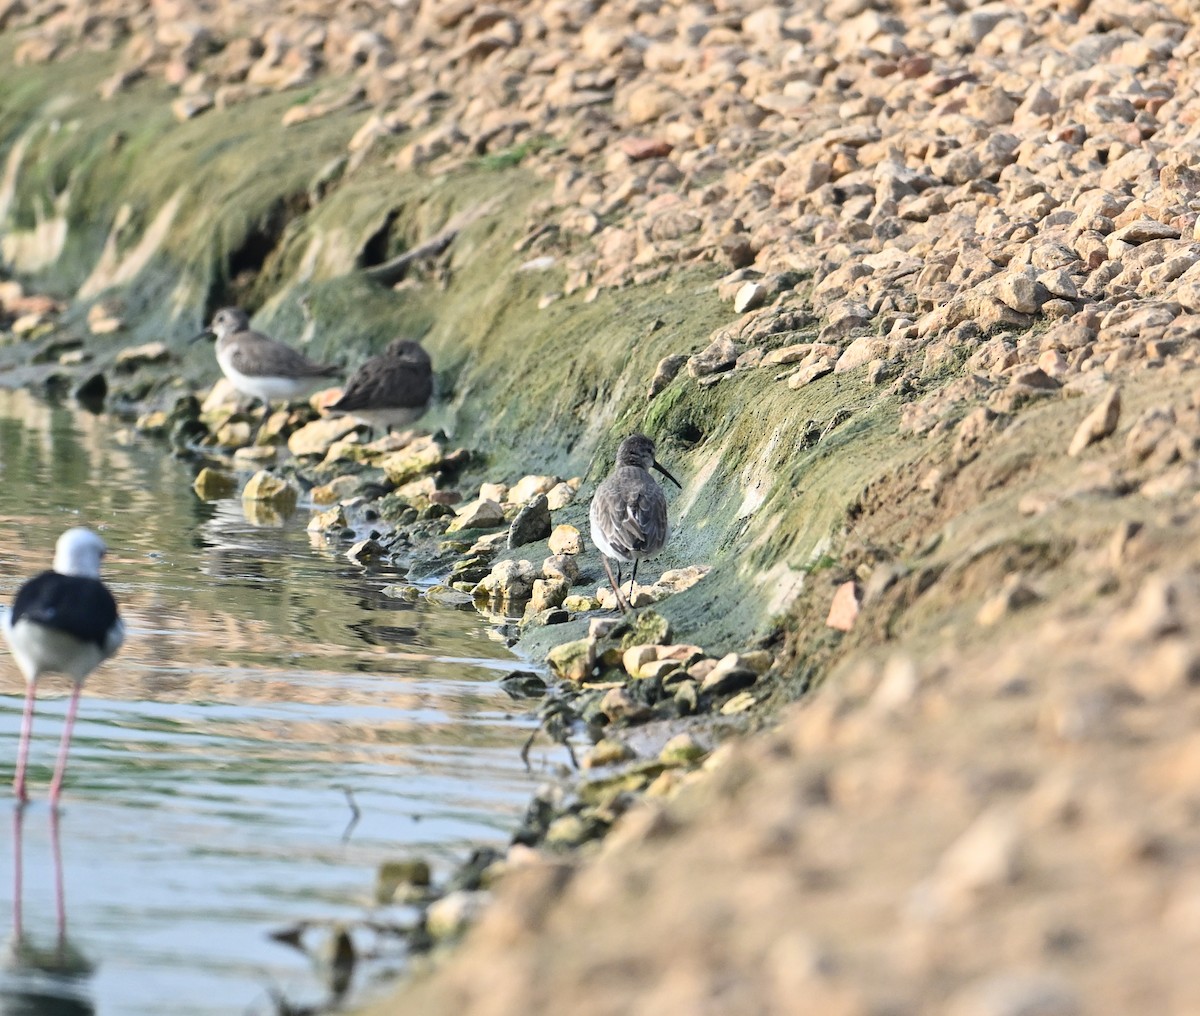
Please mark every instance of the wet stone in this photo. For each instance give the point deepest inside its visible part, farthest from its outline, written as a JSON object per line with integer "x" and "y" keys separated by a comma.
{"x": 606, "y": 752}
{"x": 546, "y": 594}
{"x": 573, "y": 661}
{"x": 402, "y": 881}
{"x": 730, "y": 675}
{"x": 478, "y": 515}
{"x": 367, "y": 552}
{"x": 532, "y": 523}
{"x": 213, "y": 484}
{"x": 266, "y": 486}
{"x": 316, "y": 437}
{"x": 621, "y": 707}
{"x": 334, "y": 518}
{"x": 445, "y": 596}
{"x": 649, "y": 627}
{"x": 416, "y": 460}
{"x": 682, "y": 749}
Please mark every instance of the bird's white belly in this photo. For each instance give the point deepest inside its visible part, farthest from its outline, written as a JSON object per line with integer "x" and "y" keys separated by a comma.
{"x": 268, "y": 389}
{"x": 41, "y": 650}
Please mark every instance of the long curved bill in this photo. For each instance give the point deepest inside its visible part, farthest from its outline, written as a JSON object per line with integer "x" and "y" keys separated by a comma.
{"x": 662, "y": 469}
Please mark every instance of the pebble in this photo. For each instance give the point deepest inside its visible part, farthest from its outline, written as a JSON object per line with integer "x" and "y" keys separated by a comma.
{"x": 731, "y": 674}
{"x": 565, "y": 539}
{"x": 843, "y": 609}
{"x": 315, "y": 438}
{"x": 529, "y": 487}
{"x": 480, "y": 514}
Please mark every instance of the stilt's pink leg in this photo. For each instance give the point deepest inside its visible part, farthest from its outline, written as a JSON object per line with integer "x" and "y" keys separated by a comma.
{"x": 23, "y": 746}
{"x": 61, "y": 768}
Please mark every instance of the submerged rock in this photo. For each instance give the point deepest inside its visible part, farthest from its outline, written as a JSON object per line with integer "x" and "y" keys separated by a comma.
{"x": 402, "y": 881}
{"x": 213, "y": 484}
{"x": 266, "y": 486}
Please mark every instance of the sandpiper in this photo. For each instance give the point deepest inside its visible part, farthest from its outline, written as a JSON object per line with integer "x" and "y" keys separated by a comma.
{"x": 629, "y": 511}
{"x": 63, "y": 621}
{"x": 258, "y": 366}
{"x": 390, "y": 390}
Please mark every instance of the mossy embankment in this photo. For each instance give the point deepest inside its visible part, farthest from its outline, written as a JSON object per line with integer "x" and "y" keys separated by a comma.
{"x": 118, "y": 201}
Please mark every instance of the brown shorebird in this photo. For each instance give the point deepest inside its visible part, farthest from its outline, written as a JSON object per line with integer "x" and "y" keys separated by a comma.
{"x": 258, "y": 366}
{"x": 62, "y": 621}
{"x": 390, "y": 390}
{"x": 629, "y": 511}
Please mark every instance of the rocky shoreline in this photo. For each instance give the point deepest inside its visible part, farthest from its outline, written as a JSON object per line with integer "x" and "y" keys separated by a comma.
{"x": 909, "y": 292}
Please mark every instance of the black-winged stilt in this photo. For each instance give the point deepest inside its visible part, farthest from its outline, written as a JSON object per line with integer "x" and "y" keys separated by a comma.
{"x": 63, "y": 621}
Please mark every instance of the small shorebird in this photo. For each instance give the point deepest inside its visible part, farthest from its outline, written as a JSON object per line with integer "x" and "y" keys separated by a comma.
{"x": 629, "y": 511}
{"x": 258, "y": 366}
{"x": 62, "y": 621}
{"x": 390, "y": 390}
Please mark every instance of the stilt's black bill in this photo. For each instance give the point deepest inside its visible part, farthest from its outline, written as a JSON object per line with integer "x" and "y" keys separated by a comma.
{"x": 206, "y": 334}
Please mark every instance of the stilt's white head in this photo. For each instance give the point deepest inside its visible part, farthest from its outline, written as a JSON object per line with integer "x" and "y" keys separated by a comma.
{"x": 78, "y": 552}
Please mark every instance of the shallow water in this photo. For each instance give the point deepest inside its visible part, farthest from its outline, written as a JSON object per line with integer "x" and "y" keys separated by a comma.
{"x": 206, "y": 800}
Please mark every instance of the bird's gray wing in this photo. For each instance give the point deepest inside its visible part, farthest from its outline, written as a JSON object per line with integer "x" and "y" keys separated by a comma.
{"x": 632, "y": 512}
{"x": 258, "y": 356}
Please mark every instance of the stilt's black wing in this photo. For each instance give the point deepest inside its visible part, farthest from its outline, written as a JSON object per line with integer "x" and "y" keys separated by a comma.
{"x": 75, "y": 605}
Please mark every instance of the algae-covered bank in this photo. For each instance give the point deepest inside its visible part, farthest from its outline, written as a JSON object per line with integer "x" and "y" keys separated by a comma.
{"x": 908, "y": 297}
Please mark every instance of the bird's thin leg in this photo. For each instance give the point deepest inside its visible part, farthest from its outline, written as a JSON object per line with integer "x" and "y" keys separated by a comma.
{"x": 633, "y": 577}
{"x": 621, "y": 601}
{"x": 23, "y": 746}
{"x": 61, "y": 768}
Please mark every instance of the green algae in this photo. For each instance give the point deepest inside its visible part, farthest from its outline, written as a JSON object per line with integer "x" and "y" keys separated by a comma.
{"x": 770, "y": 473}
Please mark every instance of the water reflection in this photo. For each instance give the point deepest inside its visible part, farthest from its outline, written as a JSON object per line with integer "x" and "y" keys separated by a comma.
{"x": 211, "y": 758}
{"x": 47, "y": 980}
